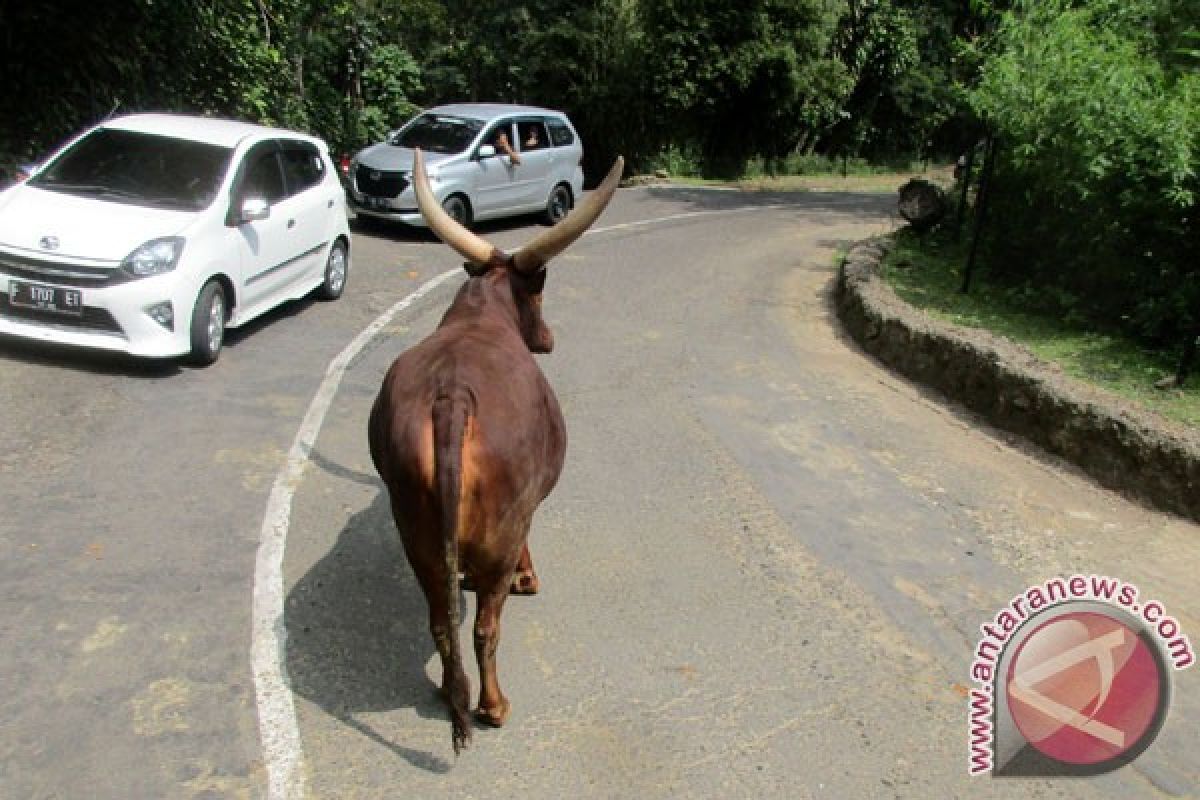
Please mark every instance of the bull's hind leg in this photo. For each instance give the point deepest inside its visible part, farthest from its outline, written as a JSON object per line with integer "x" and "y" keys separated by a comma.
{"x": 455, "y": 688}
{"x": 525, "y": 580}
{"x": 490, "y": 596}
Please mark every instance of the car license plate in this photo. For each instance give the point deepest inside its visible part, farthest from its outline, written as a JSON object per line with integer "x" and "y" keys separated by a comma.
{"x": 46, "y": 298}
{"x": 381, "y": 203}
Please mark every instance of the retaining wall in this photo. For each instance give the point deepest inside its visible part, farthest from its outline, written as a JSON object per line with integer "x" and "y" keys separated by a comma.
{"x": 1121, "y": 446}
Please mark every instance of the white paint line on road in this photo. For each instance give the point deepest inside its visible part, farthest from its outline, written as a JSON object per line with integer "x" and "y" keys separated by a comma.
{"x": 278, "y": 728}
{"x": 641, "y": 223}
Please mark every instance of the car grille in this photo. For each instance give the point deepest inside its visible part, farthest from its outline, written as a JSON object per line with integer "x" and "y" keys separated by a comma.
{"x": 92, "y": 319}
{"x": 60, "y": 273}
{"x": 380, "y": 183}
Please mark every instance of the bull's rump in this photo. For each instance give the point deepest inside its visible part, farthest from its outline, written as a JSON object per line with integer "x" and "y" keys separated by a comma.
{"x": 513, "y": 445}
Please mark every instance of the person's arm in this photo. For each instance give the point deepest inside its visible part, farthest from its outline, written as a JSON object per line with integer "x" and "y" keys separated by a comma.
{"x": 507, "y": 148}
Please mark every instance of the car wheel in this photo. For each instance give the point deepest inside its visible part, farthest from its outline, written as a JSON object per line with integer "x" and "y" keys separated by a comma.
{"x": 459, "y": 209}
{"x": 336, "y": 268}
{"x": 559, "y": 204}
{"x": 208, "y": 324}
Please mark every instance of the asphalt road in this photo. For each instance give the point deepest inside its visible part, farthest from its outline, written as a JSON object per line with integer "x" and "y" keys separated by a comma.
{"x": 763, "y": 571}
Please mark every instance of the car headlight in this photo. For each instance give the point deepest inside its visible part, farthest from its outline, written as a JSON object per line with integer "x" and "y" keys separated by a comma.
{"x": 154, "y": 257}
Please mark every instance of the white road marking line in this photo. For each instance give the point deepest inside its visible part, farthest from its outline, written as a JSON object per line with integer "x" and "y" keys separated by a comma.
{"x": 278, "y": 728}
{"x": 686, "y": 215}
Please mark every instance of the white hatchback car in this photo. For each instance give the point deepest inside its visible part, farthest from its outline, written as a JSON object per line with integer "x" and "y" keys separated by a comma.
{"x": 469, "y": 173}
{"x": 150, "y": 234}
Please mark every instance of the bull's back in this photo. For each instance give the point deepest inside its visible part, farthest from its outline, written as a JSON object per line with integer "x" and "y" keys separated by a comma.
{"x": 515, "y": 439}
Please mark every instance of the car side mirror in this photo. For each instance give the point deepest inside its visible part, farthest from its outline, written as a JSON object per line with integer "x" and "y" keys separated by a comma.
{"x": 253, "y": 209}
{"x": 486, "y": 151}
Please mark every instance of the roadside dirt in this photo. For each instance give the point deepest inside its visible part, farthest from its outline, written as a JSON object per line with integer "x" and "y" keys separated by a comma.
{"x": 1123, "y": 447}
{"x": 1002, "y": 512}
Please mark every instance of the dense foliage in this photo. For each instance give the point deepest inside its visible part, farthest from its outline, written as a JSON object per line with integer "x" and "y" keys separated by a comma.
{"x": 1096, "y": 111}
{"x": 1093, "y": 103}
{"x": 722, "y": 82}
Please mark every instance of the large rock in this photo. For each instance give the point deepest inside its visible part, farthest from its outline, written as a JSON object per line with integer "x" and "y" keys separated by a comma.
{"x": 922, "y": 203}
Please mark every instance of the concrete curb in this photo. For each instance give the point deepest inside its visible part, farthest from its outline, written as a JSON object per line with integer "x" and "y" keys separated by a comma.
{"x": 1120, "y": 446}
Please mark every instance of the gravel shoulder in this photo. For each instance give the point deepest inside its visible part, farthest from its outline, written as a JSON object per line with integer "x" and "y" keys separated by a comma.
{"x": 1121, "y": 446}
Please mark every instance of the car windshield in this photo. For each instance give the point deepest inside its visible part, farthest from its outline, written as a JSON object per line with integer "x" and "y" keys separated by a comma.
{"x": 438, "y": 133}
{"x": 139, "y": 169}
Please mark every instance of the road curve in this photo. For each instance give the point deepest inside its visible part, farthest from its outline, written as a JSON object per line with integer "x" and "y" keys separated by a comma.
{"x": 763, "y": 570}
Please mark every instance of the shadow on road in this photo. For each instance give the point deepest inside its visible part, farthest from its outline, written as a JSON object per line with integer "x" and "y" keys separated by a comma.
{"x": 412, "y": 234}
{"x": 707, "y": 199}
{"x": 104, "y": 362}
{"x": 97, "y": 362}
{"x": 358, "y": 635}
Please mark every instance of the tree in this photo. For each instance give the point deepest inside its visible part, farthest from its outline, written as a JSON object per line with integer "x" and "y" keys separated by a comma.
{"x": 876, "y": 40}
{"x": 745, "y": 80}
{"x": 1096, "y": 176}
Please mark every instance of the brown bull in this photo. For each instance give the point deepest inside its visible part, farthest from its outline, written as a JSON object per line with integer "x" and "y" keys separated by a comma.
{"x": 468, "y": 437}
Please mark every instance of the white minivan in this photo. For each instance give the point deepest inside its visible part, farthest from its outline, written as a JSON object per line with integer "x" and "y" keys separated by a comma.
{"x": 150, "y": 234}
{"x": 485, "y": 160}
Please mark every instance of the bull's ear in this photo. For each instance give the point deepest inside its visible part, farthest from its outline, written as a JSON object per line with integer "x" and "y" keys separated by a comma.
{"x": 549, "y": 244}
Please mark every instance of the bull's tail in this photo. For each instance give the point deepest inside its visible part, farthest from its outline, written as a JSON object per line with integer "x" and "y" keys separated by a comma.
{"x": 450, "y": 412}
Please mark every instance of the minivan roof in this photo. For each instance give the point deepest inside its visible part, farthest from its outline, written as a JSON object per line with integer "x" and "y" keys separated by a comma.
{"x": 224, "y": 132}
{"x": 489, "y": 111}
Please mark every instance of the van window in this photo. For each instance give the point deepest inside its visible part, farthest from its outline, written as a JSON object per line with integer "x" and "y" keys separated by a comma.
{"x": 560, "y": 134}
{"x": 438, "y": 133}
{"x": 493, "y": 137}
{"x": 302, "y": 166}
{"x": 532, "y": 135}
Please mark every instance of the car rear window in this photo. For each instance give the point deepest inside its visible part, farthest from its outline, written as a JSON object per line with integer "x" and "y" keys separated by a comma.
{"x": 439, "y": 133}
{"x": 138, "y": 169}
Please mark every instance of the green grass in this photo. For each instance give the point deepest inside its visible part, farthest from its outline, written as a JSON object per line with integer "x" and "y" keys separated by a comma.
{"x": 877, "y": 182}
{"x": 928, "y": 275}
{"x": 802, "y": 172}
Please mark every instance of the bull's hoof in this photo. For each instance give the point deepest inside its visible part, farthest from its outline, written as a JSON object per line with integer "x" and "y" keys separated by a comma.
{"x": 525, "y": 583}
{"x": 494, "y": 717}
{"x": 466, "y": 583}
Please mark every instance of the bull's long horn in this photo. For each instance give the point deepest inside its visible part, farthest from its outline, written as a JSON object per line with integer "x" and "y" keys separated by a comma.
{"x": 553, "y": 241}
{"x": 468, "y": 245}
